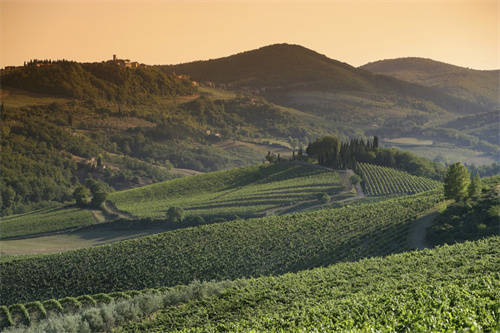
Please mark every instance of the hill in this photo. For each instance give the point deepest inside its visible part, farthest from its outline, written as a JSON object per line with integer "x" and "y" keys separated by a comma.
{"x": 478, "y": 86}
{"x": 95, "y": 80}
{"x": 379, "y": 294}
{"x": 247, "y": 192}
{"x": 295, "y": 76}
{"x": 254, "y": 191}
{"x": 271, "y": 245}
{"x": 379, "y": 180}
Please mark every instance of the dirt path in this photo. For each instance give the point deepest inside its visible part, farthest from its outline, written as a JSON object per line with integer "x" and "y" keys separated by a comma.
{"x": 110, "y": 210}
{"x": 418, "y": 230}
{"x": 98, "y": 215}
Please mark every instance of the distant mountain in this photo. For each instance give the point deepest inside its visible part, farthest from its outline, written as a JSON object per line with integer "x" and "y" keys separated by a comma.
{"x": 295, "y": 76}
{"x": 479, "y": 86}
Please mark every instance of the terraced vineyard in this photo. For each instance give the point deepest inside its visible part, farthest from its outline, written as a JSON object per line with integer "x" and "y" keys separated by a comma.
{"x": 379, "y": 180}
{"x": 244, "y": 192}
{"x": 272, "y": 245}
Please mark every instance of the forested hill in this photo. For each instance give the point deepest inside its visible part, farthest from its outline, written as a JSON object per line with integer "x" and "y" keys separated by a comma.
{"x": 479, "y": 86}
{"x": 96, "y": 81}
{"x": 281, "y": 69}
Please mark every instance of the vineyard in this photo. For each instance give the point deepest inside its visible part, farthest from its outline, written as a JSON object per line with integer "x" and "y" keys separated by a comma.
{"x": 243, "y": 248}
{"x": 413, "y": 291}
{"x": 452, "y": 288}
{"x": 378, "y": 180}
{"x": 244, "y": 192}
{"x": 44, "y": 221}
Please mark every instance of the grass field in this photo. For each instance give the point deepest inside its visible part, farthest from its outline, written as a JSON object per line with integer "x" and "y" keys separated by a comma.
{"x": 245, "y": 192}
{"x": 42, "y": 221}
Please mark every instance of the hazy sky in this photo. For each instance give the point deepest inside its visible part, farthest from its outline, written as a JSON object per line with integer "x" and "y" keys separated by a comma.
{"x": 463, "y": 32}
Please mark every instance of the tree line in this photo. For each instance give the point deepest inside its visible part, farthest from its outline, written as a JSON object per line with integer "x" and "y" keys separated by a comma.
{"x": 332, "y": 152}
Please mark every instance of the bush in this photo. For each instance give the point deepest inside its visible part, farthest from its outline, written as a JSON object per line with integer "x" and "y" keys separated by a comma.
{"x": 175, "y": 214}
{"x": 355, "y": 179}
{"x": 323, "y": 198}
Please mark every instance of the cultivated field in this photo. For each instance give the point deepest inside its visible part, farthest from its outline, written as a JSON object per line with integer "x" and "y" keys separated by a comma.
{"x": 378, "y": 180}
{"x": 245, "y": 192}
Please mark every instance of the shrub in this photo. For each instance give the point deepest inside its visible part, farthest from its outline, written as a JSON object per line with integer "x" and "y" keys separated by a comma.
{"x": 323, "y": 198}
{"x": 355, "y": 179}
{"x": 175, "y": 214}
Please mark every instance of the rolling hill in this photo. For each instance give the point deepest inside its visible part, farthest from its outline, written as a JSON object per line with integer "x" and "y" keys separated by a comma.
{"x": 478, "y": 86}
{"x": 235, "y": 249}
{"x": 296, "y": 76}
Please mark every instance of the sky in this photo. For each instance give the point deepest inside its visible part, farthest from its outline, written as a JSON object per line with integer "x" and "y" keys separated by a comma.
{"x": 460, "y": 32}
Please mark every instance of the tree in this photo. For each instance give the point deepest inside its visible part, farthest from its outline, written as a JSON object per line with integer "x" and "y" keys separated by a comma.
{"x": 475, "y": 187}
{"x": 175, "y": 214}
{"x": 81, "y": 196}
{"x": 355, "y": 179}
{"x": 456, "y": 182}
{"x": 98, "y": 198}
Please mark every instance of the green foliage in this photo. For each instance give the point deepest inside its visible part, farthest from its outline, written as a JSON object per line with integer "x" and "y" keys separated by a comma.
{"x": 475, "y": 187}
{"x": 5, "y": 317}
{"x": 46, "y": 220}
{"x": 476, "y": 218}
{"x": 355, "y": 179}
{"x": 81, "y": 196}
{"x": 324, "y": 198}
{"x": 19, "y": 314}
{"x": 378, "y": 180}
{"x": 123, "y": 309}
{"x": 97, "y": 81}
{"x": 175, "y": 214}
{"x": 272, "y": 245}
{"x": 456, "y": 182}
{"x": 451, "y": 288}
{"x": 52, "y": 306}
{"x": 246, "y": 192}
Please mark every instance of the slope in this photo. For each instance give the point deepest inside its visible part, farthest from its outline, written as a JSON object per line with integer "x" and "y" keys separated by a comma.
{"x": 295, "y": 76}
{"x": 479, "y": 86}
{"x": 448, "y": 288}
{"x": 272, "y": 245}
{"x": 246, "y": 192}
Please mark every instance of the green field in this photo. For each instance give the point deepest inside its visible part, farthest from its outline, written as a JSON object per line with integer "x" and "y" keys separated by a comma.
{"x": 44, "y": 221}
{"x": 272, "y": 245}
{"x": 245, "y": 192}
{"x": 379, "y": 180}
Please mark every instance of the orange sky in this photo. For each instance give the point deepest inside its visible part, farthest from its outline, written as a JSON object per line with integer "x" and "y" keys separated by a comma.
{"x": 461, "y": 32}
